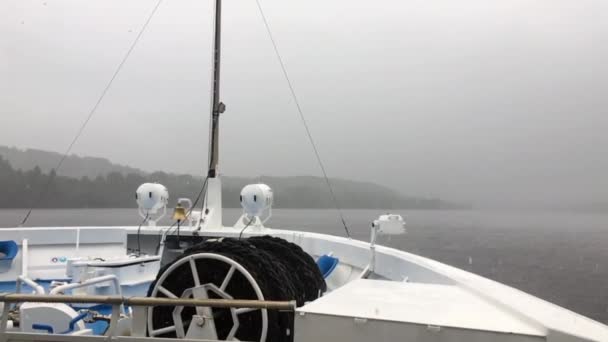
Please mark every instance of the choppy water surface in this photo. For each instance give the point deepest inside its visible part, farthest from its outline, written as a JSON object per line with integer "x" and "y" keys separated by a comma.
{"x": 560, "y": 257}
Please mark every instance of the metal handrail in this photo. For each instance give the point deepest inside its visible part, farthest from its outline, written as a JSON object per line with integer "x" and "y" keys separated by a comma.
{"x": 137, "y": 303}
{"x": 31, "y": 283}
{"x": 89, "y": 282}
{"x": 24, "y": 277}
{"x": 148, "y": 301}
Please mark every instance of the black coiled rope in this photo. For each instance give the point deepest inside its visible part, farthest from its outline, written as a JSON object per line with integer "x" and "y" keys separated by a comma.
{"x": 282, "y": 270}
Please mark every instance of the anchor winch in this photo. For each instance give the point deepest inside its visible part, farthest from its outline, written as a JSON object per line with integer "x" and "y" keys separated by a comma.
{"x": 259, "y": 268}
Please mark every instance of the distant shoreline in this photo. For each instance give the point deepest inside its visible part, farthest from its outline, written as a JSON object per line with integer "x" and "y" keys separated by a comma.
{"x": 28, "y": 178}
{"x": 274, "y": 207}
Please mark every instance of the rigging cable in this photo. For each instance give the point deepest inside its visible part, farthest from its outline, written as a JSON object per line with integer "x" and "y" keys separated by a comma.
{"x": 303, "y": 119}
{"x": 91, "y": 113}
{"x": 139, "y": 233}
{"x": 163, "y": 233}
{"x": 246, "y": 226}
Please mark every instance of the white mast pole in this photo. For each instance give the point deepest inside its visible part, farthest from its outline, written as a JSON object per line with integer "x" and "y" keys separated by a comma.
{"x": 212, "y": 214}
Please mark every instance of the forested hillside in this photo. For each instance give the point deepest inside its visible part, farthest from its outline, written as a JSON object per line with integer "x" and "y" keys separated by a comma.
{"x": 20, "y": 189}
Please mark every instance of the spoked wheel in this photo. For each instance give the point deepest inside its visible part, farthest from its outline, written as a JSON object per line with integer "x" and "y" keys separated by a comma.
{"x": 202, "y": 276}
{"x": 257, "y": 268}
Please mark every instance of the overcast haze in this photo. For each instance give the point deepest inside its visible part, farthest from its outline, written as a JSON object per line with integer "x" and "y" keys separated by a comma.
{"x": 494, "y": 102}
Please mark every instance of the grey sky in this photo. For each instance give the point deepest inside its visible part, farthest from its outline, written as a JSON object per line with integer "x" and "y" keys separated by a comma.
{"x": 468, "y": 100}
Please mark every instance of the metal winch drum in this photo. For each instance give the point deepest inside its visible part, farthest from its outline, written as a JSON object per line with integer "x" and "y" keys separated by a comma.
{"x": 258, "y": 268}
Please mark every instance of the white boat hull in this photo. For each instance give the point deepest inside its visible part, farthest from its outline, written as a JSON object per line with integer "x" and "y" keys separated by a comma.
{"x": 408, "y": 297}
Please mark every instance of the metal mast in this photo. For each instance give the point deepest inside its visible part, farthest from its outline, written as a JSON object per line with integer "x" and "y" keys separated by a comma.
{"x": 217, "y": 107}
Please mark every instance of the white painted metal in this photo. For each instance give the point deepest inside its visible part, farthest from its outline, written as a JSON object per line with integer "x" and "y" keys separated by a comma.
{"x": 130, "y": 270}
{"x": 24, "y": 278}
{"x": 115, "y": 317}
{"x": 77, "y": 240}
{"x": 211, "y": 217}
{"x": 386, "y": 224}
{"x": 251, "y": 224}
{"x": 311, "y": 328}
{"x": 49, "y": 248}
{"x": 112, "y": 279}
{"x": 152, "y": 198}
{"x": 416, "y": 303}
{"x": 56, "y": 315}
{"x": 341, "y": 275}
{"x": 139, "y": 321}
{"x": 255, "y": 199}
{"x": 202, "y": 325}
{"x": 24, "y": 257}
{"x": 389, "y": 224}
{"x": 436, "y": 286}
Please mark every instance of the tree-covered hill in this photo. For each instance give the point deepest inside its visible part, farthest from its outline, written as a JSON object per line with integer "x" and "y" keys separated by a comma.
{"x": 20, "y": 189}
{"x": 73, "y": 166}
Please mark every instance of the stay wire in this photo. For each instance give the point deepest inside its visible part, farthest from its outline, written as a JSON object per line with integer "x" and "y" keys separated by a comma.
{"x": 198, "y": 197}
{"x": 246, "y": 226}
{"x": 169, "y": 229}
{"x": 139, "y": 233}
{"x": 301, "y": 113}
{"x": 91, "y": 113}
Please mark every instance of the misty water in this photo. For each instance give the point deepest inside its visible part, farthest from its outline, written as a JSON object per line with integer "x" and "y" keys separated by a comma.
{"x": 557, "y": 256}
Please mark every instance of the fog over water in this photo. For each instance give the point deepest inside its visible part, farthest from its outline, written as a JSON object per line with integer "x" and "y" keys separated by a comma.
{"x": 497, "y": 103}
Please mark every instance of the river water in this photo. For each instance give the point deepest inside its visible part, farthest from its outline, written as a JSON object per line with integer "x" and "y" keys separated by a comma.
{"x": 560, "y": 257}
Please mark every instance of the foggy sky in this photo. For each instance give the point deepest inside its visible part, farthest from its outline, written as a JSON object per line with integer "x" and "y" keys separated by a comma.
{"x": 492, "y": 102}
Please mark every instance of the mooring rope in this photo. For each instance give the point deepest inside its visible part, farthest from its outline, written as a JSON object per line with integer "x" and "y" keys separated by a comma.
{"x": 282, "y": 270}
